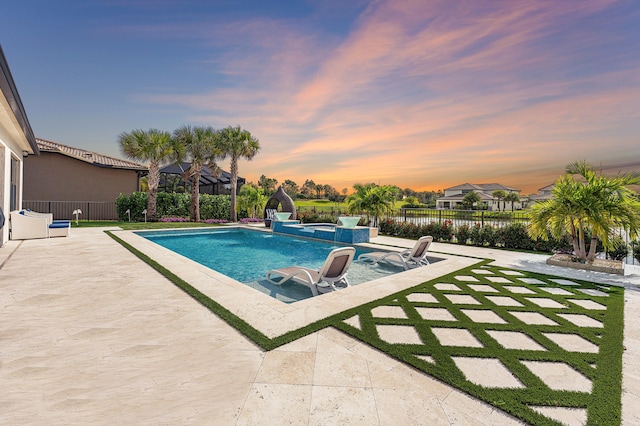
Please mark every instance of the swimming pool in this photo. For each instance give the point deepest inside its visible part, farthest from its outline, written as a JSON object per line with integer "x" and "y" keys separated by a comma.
{"x": 247, "y": 255}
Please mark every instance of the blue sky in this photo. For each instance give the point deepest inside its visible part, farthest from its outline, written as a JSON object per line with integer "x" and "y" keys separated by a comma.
{"x": 417, "y": 93}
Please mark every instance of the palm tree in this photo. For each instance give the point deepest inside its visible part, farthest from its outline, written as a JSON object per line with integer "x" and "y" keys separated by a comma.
{"x": 470, "y": 199}
{"x": 512, "y": 197}
{"x": 153, "y": 146}
{"x": 237, "y": 143}
{"x": 592, "y": 205}
{"x": 199, "y": 145}
{"x": 251, "y": 199}
{"x": 500, "y": 195}
{"x": 372, "y": 199}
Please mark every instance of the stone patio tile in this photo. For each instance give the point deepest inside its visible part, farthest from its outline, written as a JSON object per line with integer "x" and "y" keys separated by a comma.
{"x": 456, "y": 337}
{"x": 556, "y": 290}
{"x": 519, "y": 289}
{"x": 588, "y": 304}
{"x": 483, "y": 288}
{"x": 502, "y": 280}
{"x": 487, "y": 372}
{"x": 482, "y": 271}
{"x": 515, "y": 340}
{"x": 533, "y": 318}
{"x": 427, "y": 358}
{"x": 563, "y": 281}
{"x": 466, "y": 278}
{"x": 593, "y": 292}
{"x": 279, "y": 403}
{"x": 445, "y": 286}
{"x": 342, "y": 405}
{"x": 338, "y": 369}
{"x": 462, "y": 299}
{"x": 422, "y": 297}
{"x": 483, "y": 316}
{"x": 399, "y": 334}
{"x": 385, "y": 311}
{"x": 354, "y": 321}
{"x": 406, "y": 406}
{"x": 513, "y": 273}
{"x": 559, "y": 376}
{"x": 504, "y": 301}
{"x": 436, "y": 314}
{"x": 565, "y": 415}
{"x": 543, "y": 302}
{"x": 283, "y": 367}
{"x": 572, "y": 342}
{"x": 582, "y": 320}
{"x": 531, "y": 281}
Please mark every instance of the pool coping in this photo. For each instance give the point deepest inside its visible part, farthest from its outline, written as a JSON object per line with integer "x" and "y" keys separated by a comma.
{"x": 272, "y": 317}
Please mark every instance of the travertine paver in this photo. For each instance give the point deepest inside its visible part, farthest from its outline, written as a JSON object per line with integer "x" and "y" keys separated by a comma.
{"x": 445, "y": 286}
{"x": 504, "y": 301}
{"x": 482, "y": 271}
{"x": 543, "y": 302}
{"x": 510, "y": 272}
{"x": 456, "y": 337}
{"x": 422, "y": 297}
{"x": 572, "y": 342}
{"x": 593, "y": 292}
{"x": 435, "y": 314}
{"x": 399, "y": 334}
{"x": 519, "y": 289}
{"x": 559, "y": 376}
{"x": 388, "y": 312}
{"x": 588, "y": 304}
{"x": 515, "y": 340}
{"x": 582, "y": 320}
{"x": 566, "y": 416}
{"x": 483, "y": 316}
{"x": 533, "y": 318}
{"x": 499, "y": 280}
{"x": 466, "y": 278}
{"x": 556, "y": 290}
{"x": 482, "y": 288}
{"x": 462, "y": 299}
{"x": 562, "y": 281}
{"x": 490, "y": 373}
{"x": 531, "y": 281}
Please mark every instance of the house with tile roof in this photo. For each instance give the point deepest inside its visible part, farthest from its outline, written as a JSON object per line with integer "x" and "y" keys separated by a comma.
{"x": 16, "y": 142}
{"x": 63, "y": 178}
{"x": 454, "y": 195}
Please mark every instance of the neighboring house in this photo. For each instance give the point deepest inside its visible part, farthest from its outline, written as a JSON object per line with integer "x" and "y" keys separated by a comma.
{"x": 543, "y": 194}
{"x": 16, "y": 142}
{"x": 171, "y": 180}
{"x": 62, "y": 179}
{"x": 454, "y": 196}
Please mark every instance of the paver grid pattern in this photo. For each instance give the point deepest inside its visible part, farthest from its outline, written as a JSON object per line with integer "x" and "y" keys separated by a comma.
{"x": 535, "y": 342}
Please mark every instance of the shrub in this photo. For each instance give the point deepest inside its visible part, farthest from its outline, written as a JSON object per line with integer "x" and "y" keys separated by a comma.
{"x": 462, "y": 234}
{"x": 136, "y": 203}
{"x": 635, "y": 246}
{"x": 515, "y": 236}
{"x": 619, "y": 249}
{"x": 490, "y": 235}
{"x": 215, "y": 206}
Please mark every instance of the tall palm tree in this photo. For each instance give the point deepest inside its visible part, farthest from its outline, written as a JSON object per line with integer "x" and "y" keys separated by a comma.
{"x": 592, "y": 205}
{"x": 237, "y": 144}
{"x": 198, "y": 145}
{"x": 512, "y": 197}
{"x": 500, "y": 195}
{"x": 154, "y": 147}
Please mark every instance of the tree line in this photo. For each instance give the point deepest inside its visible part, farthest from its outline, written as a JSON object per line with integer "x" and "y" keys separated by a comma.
{"x": 201, "y": 146}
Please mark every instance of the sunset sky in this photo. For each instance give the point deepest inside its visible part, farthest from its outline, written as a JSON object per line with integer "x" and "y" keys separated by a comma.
{"x": 423, "y": 94}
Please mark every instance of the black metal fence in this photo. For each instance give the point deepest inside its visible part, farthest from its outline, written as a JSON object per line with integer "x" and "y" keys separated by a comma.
{"x": 91, "y": 210}
{"x": 461, "y": 217}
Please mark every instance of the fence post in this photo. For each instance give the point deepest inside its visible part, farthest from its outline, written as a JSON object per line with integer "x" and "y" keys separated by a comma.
{"x": 482, "y": 217}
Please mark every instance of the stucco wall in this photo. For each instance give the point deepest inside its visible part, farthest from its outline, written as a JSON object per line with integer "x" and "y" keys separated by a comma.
{"x": 57, "y": 177}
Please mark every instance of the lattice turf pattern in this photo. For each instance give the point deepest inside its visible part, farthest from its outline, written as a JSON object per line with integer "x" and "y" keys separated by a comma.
{"x": 545, "y": 349}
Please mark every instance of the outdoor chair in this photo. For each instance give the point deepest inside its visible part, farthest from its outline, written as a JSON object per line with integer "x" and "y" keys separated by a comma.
{"x": 408, "y": 259}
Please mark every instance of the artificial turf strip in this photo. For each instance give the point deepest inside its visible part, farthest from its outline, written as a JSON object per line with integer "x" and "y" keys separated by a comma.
{"x": 603, "y": 403}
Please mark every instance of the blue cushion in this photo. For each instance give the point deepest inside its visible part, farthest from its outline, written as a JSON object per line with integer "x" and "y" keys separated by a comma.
{"x": 60, "y": 225}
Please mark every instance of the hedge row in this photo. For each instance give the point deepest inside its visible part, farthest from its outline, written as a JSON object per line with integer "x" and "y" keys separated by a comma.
{"x": 173, "y": 205}
{"x": 513, "y": 236}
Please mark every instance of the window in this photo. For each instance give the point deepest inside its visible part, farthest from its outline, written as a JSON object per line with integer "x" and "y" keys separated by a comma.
{"x": 15, "y": 175}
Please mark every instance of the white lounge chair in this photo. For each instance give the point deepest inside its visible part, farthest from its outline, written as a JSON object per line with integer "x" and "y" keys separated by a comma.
{"x": 330, "y": 277}
{"x": 410, "y": 258}
{"x": 27, "y": 227}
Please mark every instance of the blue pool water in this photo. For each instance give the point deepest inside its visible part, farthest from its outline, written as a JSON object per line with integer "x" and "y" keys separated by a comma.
{"x": 247, "y": 256}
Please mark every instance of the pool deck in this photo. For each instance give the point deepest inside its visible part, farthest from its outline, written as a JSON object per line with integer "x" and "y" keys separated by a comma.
{"x": 90, "y": 334}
